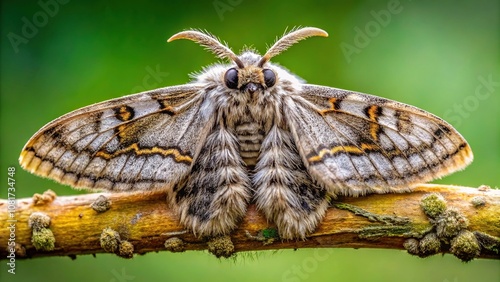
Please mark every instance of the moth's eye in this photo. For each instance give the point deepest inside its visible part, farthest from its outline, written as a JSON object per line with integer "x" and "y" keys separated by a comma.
{"x": 269, "y": 77}
{"x": 231, "y": 78}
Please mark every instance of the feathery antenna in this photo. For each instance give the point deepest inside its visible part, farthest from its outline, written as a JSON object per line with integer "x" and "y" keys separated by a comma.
{"x": 288, "y": 40}
{"x": 210, "y": 42}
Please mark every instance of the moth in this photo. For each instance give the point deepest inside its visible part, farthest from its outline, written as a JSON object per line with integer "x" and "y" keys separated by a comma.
{"x": 247, "y": 131}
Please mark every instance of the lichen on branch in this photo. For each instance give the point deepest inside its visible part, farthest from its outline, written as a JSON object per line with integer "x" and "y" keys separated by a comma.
{"x": 432, "y": 219}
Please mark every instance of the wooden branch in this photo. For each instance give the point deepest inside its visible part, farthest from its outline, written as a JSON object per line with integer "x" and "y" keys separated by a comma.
{"x": 141, "y": 223}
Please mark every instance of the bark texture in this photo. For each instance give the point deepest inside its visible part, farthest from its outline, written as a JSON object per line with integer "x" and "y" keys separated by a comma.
{"x": 432, "y": 219}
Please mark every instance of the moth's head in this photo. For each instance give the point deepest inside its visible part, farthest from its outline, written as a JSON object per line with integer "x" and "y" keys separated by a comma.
{"x": 249, "y": 78}
{"x": 249, "y": 74}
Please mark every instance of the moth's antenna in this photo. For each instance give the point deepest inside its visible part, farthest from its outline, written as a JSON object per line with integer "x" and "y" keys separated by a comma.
{"x": 288, "y": 40}
{"x": 210, "y": 42}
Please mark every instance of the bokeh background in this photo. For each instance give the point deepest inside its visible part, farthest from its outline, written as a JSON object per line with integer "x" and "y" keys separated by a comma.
{"x": 442, "y": 56}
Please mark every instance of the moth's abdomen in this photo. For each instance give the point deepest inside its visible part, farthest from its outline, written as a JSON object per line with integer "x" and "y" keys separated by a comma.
{"x": 250, "y": 136}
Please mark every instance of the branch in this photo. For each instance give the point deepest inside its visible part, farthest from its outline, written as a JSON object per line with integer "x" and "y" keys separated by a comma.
{"x": 432, "y": 219}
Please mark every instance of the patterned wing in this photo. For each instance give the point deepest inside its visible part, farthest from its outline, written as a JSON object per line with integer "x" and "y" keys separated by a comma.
{"x": 355, "y": 143}
{"x": 145, "y": 141}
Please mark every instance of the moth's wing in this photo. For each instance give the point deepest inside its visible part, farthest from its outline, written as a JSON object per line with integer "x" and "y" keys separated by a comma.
{"x": 355, "y": 143}
{"x": 145, "y": 141}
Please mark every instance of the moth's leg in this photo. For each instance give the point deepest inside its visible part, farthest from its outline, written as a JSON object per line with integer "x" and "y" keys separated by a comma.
{"x": 216, "y": 193}
{"x": 284, "y": 190}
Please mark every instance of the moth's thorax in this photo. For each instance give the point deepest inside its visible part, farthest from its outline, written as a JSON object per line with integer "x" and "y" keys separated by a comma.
{"x": 250, "y": 115}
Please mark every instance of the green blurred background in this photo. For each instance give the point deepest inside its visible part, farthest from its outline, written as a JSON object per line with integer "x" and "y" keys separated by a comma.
{"x": 435, "y": 55}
